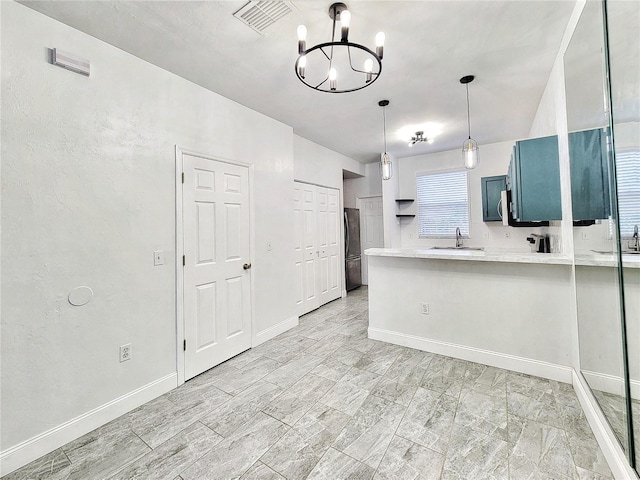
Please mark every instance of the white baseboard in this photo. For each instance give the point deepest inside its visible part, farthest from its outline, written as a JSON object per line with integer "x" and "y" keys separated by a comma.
{"x": 276, "y": 330}
{"x": 609, "y": 445}
{"x": 611, "y": 384}
{"x": 32, "y": 449}
{"x": 528, "y": 366}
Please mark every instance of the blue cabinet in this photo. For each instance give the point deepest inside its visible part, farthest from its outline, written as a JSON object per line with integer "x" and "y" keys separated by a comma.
{"x": 492, "y": 188}
{"x": 589, "y": 175}
{"x": 534, "y": 180}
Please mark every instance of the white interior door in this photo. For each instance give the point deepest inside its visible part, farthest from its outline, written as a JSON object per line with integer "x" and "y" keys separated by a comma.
{"x": 329, "y": 244}
{"x": 317, "y": 245}
{"x": 216, "y": 273}
{"x": 306, "y": 211}
{"x": 371, "y": 229}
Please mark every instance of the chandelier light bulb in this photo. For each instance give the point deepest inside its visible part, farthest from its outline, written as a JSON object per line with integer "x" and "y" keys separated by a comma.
{"x": 332, "y": 78}
{"x": 380, "y": 44}
{"x": 302, "y": 39}
{"x": 368, "y": 67}
{"x": 302, "y": 33}
{"x": 345, "y": 20}
{"x": 302, "y": 63}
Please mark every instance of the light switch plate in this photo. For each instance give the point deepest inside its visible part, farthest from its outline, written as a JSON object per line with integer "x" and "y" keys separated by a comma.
{"x": 158, "y": 257}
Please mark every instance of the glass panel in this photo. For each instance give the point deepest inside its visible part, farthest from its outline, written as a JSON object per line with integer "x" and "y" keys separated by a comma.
{"x": 623, "y": 25}
{"x": 595, "y": 230}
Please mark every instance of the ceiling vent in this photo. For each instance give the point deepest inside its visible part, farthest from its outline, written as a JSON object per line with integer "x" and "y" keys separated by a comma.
{"x": 260, "y": 15}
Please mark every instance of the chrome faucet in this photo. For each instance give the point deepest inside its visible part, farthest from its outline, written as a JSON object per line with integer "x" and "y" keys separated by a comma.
{"x": 459, "y": 237}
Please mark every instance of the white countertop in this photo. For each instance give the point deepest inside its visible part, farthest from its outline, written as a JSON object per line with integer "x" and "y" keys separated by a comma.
{"x": 607, "y": 260}
{"x": 472, "y": 255}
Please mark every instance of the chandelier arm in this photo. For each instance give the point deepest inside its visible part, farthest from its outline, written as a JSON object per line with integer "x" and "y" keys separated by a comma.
{"x": 324, "y": 81}
{"x": 325, "y": 54}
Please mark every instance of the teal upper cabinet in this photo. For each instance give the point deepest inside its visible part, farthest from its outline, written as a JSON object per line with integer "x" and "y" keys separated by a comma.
{"x": 492, "y": 188}
{"x": 534, "y": 180}
{"x": 589, "y": 175}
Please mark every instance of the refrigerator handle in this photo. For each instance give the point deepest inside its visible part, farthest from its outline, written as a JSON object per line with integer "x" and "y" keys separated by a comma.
{"x": 346, "y": 235}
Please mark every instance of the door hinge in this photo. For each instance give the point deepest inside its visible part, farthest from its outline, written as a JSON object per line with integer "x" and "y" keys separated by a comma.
{"x": 184, "y": 345}
{"x": 184, "y": 261}
{"x": 182, "y": 177}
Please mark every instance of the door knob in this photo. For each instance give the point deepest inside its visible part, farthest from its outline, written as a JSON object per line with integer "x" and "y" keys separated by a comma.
{"x": 246, "y": 266}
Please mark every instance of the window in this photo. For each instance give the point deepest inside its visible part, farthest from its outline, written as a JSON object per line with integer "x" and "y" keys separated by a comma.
{"x": 443, "y": 204}
{"x": 628, "y": 176}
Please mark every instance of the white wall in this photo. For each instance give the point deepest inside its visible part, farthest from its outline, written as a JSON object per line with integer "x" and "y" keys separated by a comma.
{"x": 316, "y": 164}
{"x": 368, "y": 186}
{"x": 494, "y": 160}
{"x": 480, "y": 311}
{"x": 600, "y": 327}
{"x": 88, "y": 172}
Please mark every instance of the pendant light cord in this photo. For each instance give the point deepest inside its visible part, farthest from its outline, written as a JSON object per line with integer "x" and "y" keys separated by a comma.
{"x": 468, "y": 114}
{"x": 384, "y": 127}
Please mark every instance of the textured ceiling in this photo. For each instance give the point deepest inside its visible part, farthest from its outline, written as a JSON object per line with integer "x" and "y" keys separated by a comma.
{"x": 510, "y": 47}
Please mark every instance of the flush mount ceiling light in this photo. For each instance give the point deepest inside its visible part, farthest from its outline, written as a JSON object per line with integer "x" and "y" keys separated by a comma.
{"x": 420, "y": 138}
{"x": 329, "y": 67}
{"x": 470, "y": 146}
{"x": 385, "y": 161}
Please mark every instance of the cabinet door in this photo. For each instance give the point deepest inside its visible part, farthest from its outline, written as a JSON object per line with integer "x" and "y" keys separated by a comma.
{"x": 492, "y": 188}
{"x": 589, "y": 175}
{"x": 537, "y": 182}
{"x": 511, "y": 185}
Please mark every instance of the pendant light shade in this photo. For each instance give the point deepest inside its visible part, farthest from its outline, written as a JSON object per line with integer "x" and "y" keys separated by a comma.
{"x": 470, "y": 153}
{"x": 470, "y": 157}
{"x": 386, "y": 169}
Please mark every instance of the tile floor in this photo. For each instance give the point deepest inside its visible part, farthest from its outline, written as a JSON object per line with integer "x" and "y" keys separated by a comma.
{"x": 322, "y": 401}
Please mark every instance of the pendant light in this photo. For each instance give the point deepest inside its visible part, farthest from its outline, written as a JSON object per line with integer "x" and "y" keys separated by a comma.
{"x": 470, "y": 146}
{"x": 385, "y": 161}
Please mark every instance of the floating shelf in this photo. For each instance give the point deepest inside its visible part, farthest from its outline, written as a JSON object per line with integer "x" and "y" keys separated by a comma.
{"x": 404, "y": 200}
{"x": 405, "y": 215}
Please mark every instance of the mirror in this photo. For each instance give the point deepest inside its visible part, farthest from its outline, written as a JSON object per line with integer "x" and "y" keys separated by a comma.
{"x": 608, "y": 296}
{"x": 623, "y": 25}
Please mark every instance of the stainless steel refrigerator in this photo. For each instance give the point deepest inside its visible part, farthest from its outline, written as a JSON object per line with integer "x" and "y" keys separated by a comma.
{"x": 352, "y": 252}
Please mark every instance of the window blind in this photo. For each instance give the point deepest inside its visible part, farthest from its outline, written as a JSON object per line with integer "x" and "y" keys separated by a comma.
{"x": 628, "y": 183}
{"x": 443, "y": 204}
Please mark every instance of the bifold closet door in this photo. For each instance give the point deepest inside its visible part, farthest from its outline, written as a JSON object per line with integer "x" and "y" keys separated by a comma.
{"x": 317, "y": 245}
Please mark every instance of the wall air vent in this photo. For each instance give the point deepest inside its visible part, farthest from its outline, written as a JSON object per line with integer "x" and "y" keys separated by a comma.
{"x": 260, "y": 15}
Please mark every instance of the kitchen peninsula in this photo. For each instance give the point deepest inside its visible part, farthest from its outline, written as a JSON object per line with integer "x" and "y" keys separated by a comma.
{"x": 509, "y": 310}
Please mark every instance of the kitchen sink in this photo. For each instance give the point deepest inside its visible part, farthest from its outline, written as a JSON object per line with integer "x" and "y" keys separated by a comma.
{"x": 457, "y": 248}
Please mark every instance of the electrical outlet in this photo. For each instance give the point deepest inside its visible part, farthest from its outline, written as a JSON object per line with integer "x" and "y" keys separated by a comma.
{"x": 585, "y": 235}
{"x": 125, "y": 352}
{"x": 425, "y": 308}
{"x": 507, "y": 234}
{"x": 158, "y": 257}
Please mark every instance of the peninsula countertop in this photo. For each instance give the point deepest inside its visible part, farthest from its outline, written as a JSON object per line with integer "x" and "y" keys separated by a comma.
{"x": 471, "y": 255}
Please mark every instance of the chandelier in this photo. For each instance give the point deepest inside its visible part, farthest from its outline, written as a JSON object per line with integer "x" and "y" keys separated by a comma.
{"x": 420, "y": 138}
{"x": 338, "y": 66}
